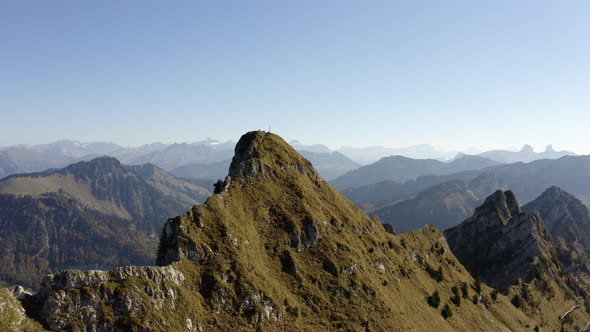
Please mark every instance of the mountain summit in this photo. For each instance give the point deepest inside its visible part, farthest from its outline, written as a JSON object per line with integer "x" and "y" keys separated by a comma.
{"x": 567, "y": 220}
{"x": 260, "y": 153}
{"x": 276, "y": 248}
{"x": 498, "y": 241}
{"x": 509, "y": 248}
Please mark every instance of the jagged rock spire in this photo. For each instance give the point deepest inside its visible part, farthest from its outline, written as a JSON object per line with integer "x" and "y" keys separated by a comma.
{"x": 497, "y": 242}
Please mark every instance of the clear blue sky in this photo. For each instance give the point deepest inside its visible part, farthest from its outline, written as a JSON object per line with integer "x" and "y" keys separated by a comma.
{"x": 454, "y": 74}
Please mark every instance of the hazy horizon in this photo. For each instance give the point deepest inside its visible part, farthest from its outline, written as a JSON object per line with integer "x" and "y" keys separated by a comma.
{"x": 455, "y": 75}
{"x": 473, "y": 150}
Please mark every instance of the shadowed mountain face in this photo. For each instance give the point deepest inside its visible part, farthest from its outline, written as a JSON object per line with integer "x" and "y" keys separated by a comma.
{"x": 401, "y": 169}
{"x": 182, "y": 191}
{"x": 51, "y": 232}
{"x": 444, "y": 205}
{"x": 276, "y": 248}
{"x": 498, "y": 243}
{"x": 95, "y": 214}
{"x": 568, "y": 221}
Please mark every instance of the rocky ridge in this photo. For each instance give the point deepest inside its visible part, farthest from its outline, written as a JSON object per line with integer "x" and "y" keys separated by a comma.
{"x": 568, "y": 221}
{"x": 498, "y": 242}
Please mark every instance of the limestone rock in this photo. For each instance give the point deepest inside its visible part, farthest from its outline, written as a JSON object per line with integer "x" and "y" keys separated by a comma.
{"x": 71, "y": 298}
{"x": 567, "y": 220}
{"x": 498, "y": 242}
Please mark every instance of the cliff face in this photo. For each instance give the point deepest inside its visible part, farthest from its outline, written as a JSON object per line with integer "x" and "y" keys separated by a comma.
{"x": 567, "y": 220}
{"x": 52, "y": 232}
{"x": 499, "y": 241}
{"x": 276, "y": 248}
{"x": 82, "y": 300}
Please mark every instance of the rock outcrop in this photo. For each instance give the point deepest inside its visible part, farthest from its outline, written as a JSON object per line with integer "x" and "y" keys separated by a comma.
{"x": 568, "y": 221}
{"x": 74, "y": 300}
{"x": 499, "y": 241}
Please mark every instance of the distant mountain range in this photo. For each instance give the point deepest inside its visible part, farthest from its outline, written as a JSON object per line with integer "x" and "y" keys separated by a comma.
{"x": 368, "y": 155}
{"x": 372, "y": 154}
{"x": 444, "y": 205}
{"x": 526, "y": 154}
{"x": 35, "y": 158}
{"x": 208, "y": 159}
{"x": 443, "y": 200}
{"x": 529, "y": 180}
{"x": 77, "y": 149}
{"x": 177, "y": 155}
{"x": 93, "y": 214}
{"x": 317, "y": 148}
{"x": 24, "y": 160}
{"x": 401, "y": 169}
{"x": 330, "y": 165}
